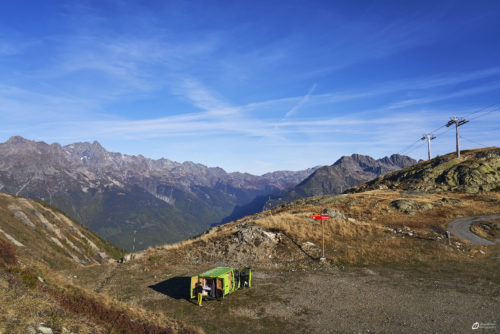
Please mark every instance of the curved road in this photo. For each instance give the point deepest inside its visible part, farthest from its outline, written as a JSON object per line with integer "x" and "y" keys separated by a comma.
{"x": 461, "y": 228}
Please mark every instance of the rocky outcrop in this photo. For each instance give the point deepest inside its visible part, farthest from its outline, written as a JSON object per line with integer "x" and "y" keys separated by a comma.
{"x": 409, "y": 207}
{"x": 475, "y": 171}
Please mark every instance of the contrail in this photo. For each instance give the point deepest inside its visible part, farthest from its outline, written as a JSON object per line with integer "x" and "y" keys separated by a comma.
{"x": 301, "y": 102}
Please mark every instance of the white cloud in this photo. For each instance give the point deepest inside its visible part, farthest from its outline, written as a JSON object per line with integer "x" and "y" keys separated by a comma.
{"x": 201, "y": 97}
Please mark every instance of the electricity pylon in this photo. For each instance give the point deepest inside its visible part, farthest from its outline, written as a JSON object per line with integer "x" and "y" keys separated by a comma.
{"x": 458, "y": 121}
{"x": 429, "y": 137}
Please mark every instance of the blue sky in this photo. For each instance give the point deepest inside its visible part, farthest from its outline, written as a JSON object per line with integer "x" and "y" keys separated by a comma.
{"x": 251, "y": 86}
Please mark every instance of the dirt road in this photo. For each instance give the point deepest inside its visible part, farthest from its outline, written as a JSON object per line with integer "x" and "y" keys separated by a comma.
{"x": 461, "y": 228}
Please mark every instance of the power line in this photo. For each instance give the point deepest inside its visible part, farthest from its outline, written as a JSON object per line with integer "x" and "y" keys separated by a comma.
{"x": 409, "y": 147}
{"x": 413, "y": 149}
{"x": 442, "y": 133}
{"x": 436, "y": 130}
{"x": 486, "y": 113}
{"x": 458, "y": 121}
{"x": 472, "y": 141}
{"x": 487, "y": 107}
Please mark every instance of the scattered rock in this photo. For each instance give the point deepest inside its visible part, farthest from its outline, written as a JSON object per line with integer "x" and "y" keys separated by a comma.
{"x": 308, "y": 244}
{"x": 409, "y": 207}
{"x": 482, "y": 252}
{"x": 30, "y": 330}
{"x": 351, "y": 220}
{"x": 451, "y": 201}
{"x": 335, "y": 214}
{"x": 403, "y": 205}
{"x": 256, "y": 235}
{"x": 43, "y": 329}
{"x": 424, "y": 206}
{"x": 369, "y": 271}
{"x": 40, "y": 279}
{"x": 126, "y": 258}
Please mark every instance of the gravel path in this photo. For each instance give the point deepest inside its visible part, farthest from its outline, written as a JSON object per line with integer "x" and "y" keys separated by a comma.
{"x": 461, "y": 228}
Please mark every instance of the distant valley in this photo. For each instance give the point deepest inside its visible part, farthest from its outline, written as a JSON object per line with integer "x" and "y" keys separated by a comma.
{"x": 125, "y": 198}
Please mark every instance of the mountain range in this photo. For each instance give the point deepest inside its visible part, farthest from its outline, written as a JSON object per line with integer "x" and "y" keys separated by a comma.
{"x": 133, "y": 201}
{"x": 347, "y": 172}
{"x": 136, "y": 202}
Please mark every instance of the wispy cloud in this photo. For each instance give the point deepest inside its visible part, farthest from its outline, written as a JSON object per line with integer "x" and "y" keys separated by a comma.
{"x": 191, "y": 76}
{"x": 200, "y": 96}
{"x": 437, "y": 98}
{"x": 457, "y": 78}
{"x": 7, "y": 49}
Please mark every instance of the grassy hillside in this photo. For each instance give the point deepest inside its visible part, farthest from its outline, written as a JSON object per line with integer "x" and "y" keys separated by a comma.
{"x": 43, "y": 234}
{"x": 363, "y": 230}
{"x": 37, "y": 241}
{"x": 40, "y": 301}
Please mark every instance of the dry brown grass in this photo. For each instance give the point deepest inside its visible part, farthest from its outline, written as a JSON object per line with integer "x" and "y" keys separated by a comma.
{"x": 61, "y": 305}
{"x": 367, "y": 240}
{"x": 22, "y": 307}
{"x": 355, "y": 242}
{"x": 363, "y": 239}
{"x": 376, "y": 206}
{"x": 487, "y": 229}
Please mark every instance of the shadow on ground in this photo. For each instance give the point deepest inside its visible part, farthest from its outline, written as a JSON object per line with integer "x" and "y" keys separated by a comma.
{"x": 175, "y": 287}
{"x": 295, "y": 243}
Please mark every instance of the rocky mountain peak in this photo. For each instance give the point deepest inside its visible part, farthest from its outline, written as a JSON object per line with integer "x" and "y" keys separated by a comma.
{"x": 15, "y": 140}
{"x": 345, "y": 173}
{"x": 398, "y": 160}
{"x": 89, "y": 154}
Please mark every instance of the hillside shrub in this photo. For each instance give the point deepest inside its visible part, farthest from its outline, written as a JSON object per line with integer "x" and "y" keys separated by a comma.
{"x": 7, "y": 254}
